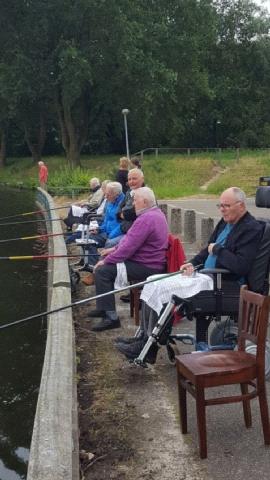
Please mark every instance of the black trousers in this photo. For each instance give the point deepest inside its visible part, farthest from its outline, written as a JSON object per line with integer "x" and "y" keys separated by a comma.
{"x": 105, "y": 277}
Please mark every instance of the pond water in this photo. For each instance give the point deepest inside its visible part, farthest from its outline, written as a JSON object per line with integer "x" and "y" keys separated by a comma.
{"x": 23, "y": 292}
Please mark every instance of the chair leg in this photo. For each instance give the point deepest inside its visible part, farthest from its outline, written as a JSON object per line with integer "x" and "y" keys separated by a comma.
{"x": 182, "y": 396}
{"x": 201, "y": 421}
{"x": 246, "y": 406}
{"x": 136, "y": 306}
{"x": 264, "y": 411}
{"x": 131, "y": 305}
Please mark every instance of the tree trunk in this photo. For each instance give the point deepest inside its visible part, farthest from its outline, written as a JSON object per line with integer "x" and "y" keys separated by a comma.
{"x": 2, "y": 148}
{"x": 73, "y": 134}
{"x": 35, "y": 138}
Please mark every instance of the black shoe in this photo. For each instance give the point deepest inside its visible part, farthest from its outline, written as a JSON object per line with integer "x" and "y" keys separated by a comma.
{"x": 106, "y": 324}
{"x": 132, "y": 350}
{"x": 96, "y": 313}
{"x": 125, "y": 298}
{"x": 128, "y": 340}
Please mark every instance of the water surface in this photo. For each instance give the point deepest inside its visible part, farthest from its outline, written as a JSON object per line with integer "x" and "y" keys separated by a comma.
{"x": 23, "y": 291}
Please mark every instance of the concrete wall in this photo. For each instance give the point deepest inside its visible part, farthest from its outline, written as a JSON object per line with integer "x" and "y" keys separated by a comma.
{"x": 54, "y": 453}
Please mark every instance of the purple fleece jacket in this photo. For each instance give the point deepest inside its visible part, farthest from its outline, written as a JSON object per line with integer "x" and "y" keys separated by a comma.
{"x": 145, "y": 242}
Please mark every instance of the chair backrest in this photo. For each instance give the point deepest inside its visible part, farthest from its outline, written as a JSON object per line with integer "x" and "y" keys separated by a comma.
{"x": 253, "y": 321}
{"x": 262, "y": 198}
{"x": 258, "y": 280}
{"x": 175, "y": 254}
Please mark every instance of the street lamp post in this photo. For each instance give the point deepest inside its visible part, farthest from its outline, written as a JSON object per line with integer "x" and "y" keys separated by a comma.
{"x": 125, "y": 112}
{"x": 217, "y": 133}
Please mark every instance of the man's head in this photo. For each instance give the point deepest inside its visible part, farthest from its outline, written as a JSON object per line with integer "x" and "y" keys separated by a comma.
{"x": 232, "y": 205}
{"x": 113, "y": 189}
{"x": 40, "y": 163}
{"x": 135, "y": 178}
{"x": 94, "y": 182}
{"x": 143, "y": 198}
{"x": 104, "y": 185}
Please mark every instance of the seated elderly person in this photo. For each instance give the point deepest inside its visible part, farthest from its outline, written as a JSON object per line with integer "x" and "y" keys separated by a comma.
{"x": 98, "y": 217}
{"x": 233, "y": 246}
{"x": 126, "y": 213}
{"x": 76, "y": 212}
{"x": 107, "y": 234}
{"x": 142, "y": 250}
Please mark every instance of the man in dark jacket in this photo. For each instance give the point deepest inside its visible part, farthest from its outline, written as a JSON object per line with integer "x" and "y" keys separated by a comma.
{"x": 233, "y": 246}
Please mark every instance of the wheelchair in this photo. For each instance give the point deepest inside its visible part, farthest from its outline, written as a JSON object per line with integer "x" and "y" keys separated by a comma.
{"x": 219, "y": 305}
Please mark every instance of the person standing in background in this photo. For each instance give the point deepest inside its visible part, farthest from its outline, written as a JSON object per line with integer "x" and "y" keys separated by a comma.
{"x": 122, "y": 173}
{"x": 42, "y": 175}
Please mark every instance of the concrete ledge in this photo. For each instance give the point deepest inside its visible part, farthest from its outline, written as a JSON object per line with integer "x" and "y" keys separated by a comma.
{"x": 54, "y": 453}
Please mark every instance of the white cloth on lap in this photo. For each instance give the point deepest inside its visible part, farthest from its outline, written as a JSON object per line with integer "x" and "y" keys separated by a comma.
{"x": 121, "y": 279}
{"x": 157, "y": 293}
{"x": 78, "y": 211}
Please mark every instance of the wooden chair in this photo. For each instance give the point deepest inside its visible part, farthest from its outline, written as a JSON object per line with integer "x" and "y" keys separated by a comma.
{"x": 198, "y": 371}
{"x": 135, "y": 302}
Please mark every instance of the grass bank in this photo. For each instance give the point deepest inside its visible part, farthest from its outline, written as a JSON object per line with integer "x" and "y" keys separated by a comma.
{"x": 170, "y": 175}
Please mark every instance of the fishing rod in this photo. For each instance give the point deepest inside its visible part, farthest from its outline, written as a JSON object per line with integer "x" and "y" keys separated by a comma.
{"x": 39, "y": 211}
{"x": 41, "y": 236}
{"x": 46, "y": 257}
{"x": 96, "y": 297}
{"x": 93, "y": 215}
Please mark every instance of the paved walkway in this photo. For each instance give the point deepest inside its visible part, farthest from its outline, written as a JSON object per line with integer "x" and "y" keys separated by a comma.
{"x": 208, "y": 206}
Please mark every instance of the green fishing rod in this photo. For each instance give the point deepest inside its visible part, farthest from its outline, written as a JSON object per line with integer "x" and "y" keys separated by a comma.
{"x": 34, "y": 212}
{"x": 44, "y": 236}
{"x": 96, "y": 297}
{"x": 93, "y": 215}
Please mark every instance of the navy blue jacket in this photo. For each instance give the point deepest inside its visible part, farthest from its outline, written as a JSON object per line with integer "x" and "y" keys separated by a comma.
{"x": 240, "y": 248}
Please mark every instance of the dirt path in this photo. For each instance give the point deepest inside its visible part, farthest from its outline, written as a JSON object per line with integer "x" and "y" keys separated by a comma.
{"x": 127, "y": 414}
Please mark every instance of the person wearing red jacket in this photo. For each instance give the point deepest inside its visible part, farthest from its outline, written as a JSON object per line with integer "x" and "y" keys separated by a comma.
{"x": 43, "y": 175}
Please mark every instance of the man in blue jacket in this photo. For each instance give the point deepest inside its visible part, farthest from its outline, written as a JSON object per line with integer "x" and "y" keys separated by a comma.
{"x": 108, "y": 232}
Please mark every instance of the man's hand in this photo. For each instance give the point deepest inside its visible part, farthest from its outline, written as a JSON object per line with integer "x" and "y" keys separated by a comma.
{"x": 188, "y": 269}
{"x": 98, "y": 264}
{"x": 105, "y": 251}
{"x": 210, "y": 248}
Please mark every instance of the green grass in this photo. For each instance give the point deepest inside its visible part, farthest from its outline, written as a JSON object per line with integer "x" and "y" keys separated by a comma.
{"x": 170, "y": 175}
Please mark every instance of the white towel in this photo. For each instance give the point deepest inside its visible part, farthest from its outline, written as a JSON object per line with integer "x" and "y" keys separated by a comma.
{"x": 78, "y": 211}
{"x": 121, "y": 280}
{"x": 157, "y": 293}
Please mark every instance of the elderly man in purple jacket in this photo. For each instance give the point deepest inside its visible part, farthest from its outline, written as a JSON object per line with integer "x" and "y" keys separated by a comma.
{"x": 142, "y": 250}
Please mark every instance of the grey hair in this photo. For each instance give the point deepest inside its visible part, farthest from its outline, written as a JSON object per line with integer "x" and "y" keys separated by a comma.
{"x": 94, "y": 180}
{"x": 105, "y": 183}
{"x": 136, "y": 170}
{"x": 147, "y": 194}
{"x": 116, "y": 187}
{"x": 239, "y": 195}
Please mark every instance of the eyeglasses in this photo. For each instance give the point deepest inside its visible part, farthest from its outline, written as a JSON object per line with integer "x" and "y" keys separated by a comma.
{"x": 226, "y": 206}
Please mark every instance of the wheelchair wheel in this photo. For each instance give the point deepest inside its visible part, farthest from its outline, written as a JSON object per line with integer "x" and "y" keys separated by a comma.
{"x": 251, "y": 348}
{"x": 225, "y": 331}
